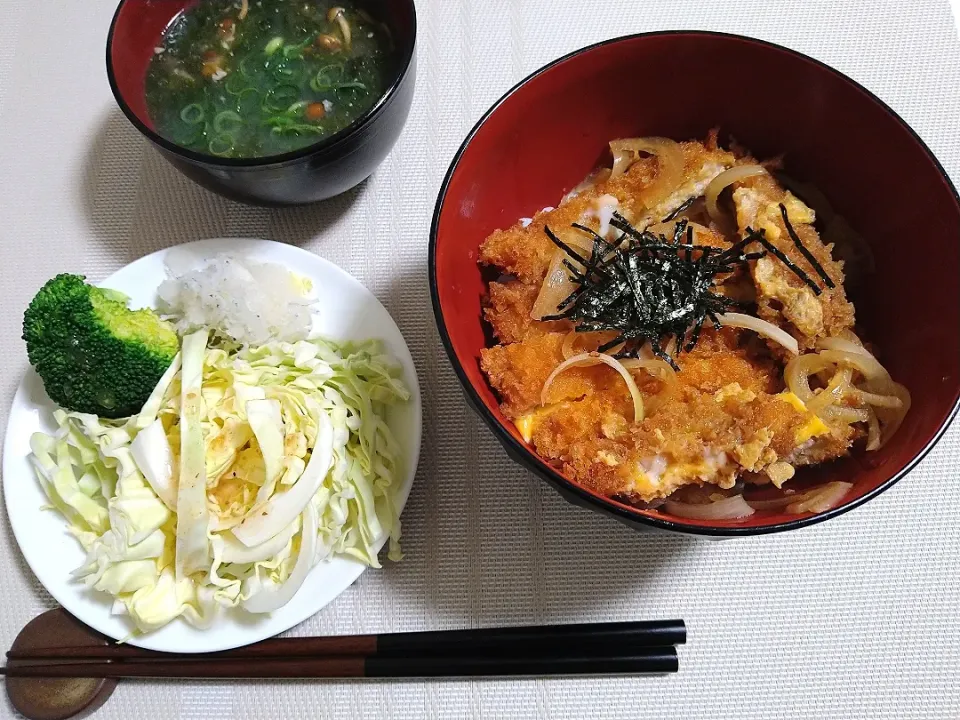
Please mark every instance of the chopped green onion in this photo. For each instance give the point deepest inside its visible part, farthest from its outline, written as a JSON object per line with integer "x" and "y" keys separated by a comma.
{"x": 248, "y": 100}
{"x": 227, "y": 122}
{"x": 284, "y": 71}
{"x": 350, "y": 86}
{"x": 192, "y": 114}
{"x": 327, "y": 77}
{"x": 296, "y": 107}
{"x": 235, "y": 85}
{"x": 245, "y": 69}
{"x": 280, "y": 97}
{"x": 297, "y": 49}
{"x": 299, "y": 128}
{"x": 286, "y": 124}
{"x": 221, "y": 145}
{"x": 273, "y": 46}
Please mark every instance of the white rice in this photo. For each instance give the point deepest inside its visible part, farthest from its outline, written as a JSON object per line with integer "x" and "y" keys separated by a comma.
{"x": 250, "y": 301}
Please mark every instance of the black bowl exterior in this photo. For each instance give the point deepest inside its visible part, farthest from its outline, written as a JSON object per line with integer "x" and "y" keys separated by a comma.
{"x": 322, "y": 174}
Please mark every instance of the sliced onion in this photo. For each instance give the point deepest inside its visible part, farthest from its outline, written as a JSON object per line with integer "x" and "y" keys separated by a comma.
{"x": 873, "y": 433}
{"x": 838, "y": 386}
{"x": 844, "y": 345}
{"x": 797, "y": 374}
{"x": 650, "y": 364}
{"x": 761, "y": 327}
{"x": 557, "y": 284}
{"x": 667, "y": 374}
{"x": 569, "y": 341}
{"x": 863, "y": 397}
{"x": 817, "y": 499}
{"x": 821, "y": 499}
{"x": 729, "y": 508}
{"x": 721, "y": 181}
{"x": 594, "y": 358}
{"x": 841, "y": 414}
{"x": 671, "y": 347}
{"x": 274, "y": 597}
{"x": 892, "y": 419}
{"x": 344, "y": 27}
{"x": 556, "y": 287}
{"x": 877, "y": 400}
{"x": 772, "y": 503}
{"x": 670, "y": 164}
{"x": 866, "y": 365}
{"x": 702, "y": 235}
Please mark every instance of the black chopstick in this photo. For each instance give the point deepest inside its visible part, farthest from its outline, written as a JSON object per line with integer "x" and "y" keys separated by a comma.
{"x": 585, "y": 638}
{"x": 638, "y": 662}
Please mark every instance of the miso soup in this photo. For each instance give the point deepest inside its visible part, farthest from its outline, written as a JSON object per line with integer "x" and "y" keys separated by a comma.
{"x": 254, "y": 78}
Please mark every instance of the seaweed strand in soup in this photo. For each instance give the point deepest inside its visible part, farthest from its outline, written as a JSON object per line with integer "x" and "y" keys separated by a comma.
{"x": 252, "y": 78}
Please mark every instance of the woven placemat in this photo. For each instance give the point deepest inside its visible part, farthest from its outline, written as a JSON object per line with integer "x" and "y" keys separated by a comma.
{"x": 856, "y": 618}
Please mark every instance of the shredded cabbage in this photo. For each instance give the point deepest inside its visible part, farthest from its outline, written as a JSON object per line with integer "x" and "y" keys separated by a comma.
{"x": 193, "y": 517}
{"x": 244, "y": 470}
{"x": 153, "y": 456}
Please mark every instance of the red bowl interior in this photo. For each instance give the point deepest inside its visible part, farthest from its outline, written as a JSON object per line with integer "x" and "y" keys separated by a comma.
{"x": 550, "y": 131}
{"x": 137, "y": 29}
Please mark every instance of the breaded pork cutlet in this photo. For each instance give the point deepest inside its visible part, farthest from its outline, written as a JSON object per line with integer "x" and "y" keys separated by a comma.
{"x": 725, "y": 414}
{"x": 782, "y": 297}
{"x": 526, "y": 251}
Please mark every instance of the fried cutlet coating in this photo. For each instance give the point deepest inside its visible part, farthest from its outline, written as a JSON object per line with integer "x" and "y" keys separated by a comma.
{"x": 729, "y": 356}
{"x": 508, "y": 312}
{"x": 686, "y": 432}
{"x": 526, "y": 251}
{"x": 782, "y": 297}
{"x": 519, "y": 371}
{"x": 724, "y": 399}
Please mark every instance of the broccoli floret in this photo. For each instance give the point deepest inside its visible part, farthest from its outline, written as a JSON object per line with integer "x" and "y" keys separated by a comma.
{"x": 92, "y": 352}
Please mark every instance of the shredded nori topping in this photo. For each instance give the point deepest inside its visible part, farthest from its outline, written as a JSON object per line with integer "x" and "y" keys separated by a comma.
{"x": 804, "y": 251}
{"x": 680, "y": 208}
{"x": 649, "y": 288}
{"x": 761, "y": 237}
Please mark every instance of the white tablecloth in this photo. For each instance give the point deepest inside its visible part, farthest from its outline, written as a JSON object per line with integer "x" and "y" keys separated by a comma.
{"x": 856, "y": 618}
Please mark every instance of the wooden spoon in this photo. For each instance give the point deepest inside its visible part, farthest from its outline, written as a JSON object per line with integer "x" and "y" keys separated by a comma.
{"x": 57, "y": 698}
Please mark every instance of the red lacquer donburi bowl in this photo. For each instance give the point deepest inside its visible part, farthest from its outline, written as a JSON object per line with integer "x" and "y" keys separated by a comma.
{"x": 548, "y": 132}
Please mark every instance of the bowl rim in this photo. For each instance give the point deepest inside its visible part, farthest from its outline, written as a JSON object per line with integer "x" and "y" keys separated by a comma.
{"x": 364, "y": 120}
{"x": 528, "y": 458}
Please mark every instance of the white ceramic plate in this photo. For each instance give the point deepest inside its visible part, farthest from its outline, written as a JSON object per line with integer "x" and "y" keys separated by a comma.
{"x": 346, "y": 311}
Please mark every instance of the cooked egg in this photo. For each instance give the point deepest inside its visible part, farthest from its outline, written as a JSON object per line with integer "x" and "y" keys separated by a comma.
{"x": 814, "y": 425}
{"x": 658, "y": 476}
{"x": 525, "y": 424}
